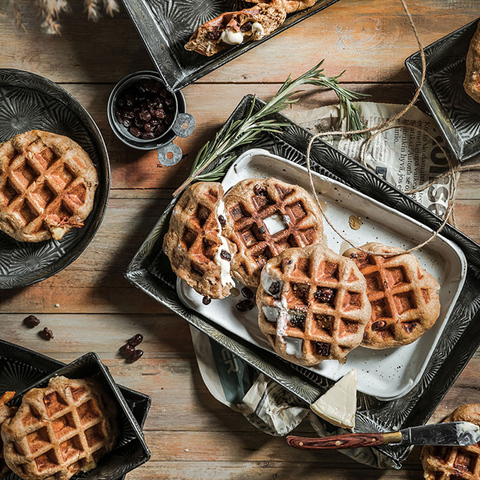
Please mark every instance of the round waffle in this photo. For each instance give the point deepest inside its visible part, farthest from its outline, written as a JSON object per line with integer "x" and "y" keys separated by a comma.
{"x": 5, "y": 413}
{"x": 404, "y": 297}
{"x": 198, "y": 252}
{"x": 312, "y": 304}
{"x": 264, "y": 218}
{"x": 454, "y": 463}
{"x": 290, "y": 6}
{"x": 47, "y": 186}
{"x": 60, "y": 430}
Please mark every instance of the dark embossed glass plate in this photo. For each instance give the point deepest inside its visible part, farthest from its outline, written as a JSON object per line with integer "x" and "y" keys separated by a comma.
{"x": 166, "y": 25}
{"x": 21, "y": 369}
{"x": 150, "y": 271}
{"x": 29, "y": 102}
{"x": 457, "y": 115}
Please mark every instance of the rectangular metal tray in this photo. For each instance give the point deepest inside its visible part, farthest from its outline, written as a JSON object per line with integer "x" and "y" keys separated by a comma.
{"x": 385, "y": 374}
{"x": 21, "y": 369}
{"x": 166, "y": 25}
{"x": 457, "y": 115}
{"x": 456, "y": 346}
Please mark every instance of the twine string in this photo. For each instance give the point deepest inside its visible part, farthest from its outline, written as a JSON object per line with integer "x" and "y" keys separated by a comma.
{"x": 453, "y": 170}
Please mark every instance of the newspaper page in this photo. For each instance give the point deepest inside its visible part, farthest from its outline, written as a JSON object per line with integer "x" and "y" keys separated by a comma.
{"x": 403, "y": 156}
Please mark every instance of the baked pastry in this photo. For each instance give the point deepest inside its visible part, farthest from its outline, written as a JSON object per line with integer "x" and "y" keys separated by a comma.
{"x": 454, "y": 463}
{"x": 264, "y": 218}
{"x": 472, "y": 76}
{"x": 404, "y": 297}
{"x": 60, "y": 430}
{"x": 5, "y": 413}
{"x": 47, "y": 186}
{"x": 235, "y": 28}
{"x": 290, "y": 6}
{"x": 312, "y": 304}
{"x": 198, "y": 252}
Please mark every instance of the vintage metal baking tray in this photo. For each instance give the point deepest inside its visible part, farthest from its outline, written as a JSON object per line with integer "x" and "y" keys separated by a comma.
{"x": 384, "y": 374}
{"x": 21, "y": 368}
{"x": 456, "y": 113}
{"x": 29, "y": 102}
{"x": 166, "y": 25}
{"x": 456, "y": 346}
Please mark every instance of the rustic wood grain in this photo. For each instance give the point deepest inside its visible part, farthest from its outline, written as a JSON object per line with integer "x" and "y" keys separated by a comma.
{"x": 91, "y": 307}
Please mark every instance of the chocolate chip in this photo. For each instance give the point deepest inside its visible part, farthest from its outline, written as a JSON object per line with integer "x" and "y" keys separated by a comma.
{"x": 226, "y": 255}
{"x": 128, "y": 349}
{"x": 136, "y": 340}
{"x": 47, "y": 334}
{"x": 214, "y": 34}
{"x": 324, "y": 295}
{"x": 379, "y": 325}
{"x": 353, "y": 255}
{"x": 135, "y": 132}
{"x": 247, "y": 293}
{"x": 206, "y": 300}
{"x": 298, "y": 320}
{"x": 31, "y": 321}
{"x": 258, "y": 190}
{"x": 247, "y": 26}
{"x": 321, "y": 348}
{"x": 221, "y": 220}
{"x": 274, "y": 288}
{"x": 136, "y": 355}
{"x": 244, "y": 305}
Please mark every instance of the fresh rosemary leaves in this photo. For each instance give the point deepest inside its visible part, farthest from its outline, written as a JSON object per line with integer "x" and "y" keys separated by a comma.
{"x": 249, "y": 128}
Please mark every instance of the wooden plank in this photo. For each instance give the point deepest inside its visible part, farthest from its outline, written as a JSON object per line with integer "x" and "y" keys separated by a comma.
{"x": 372, "y": 40}
{"x": 269, "y": 470}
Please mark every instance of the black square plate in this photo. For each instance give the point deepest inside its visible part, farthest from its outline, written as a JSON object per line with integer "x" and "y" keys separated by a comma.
{"x": 22, "y": 369}
{"x": 166, "y": 26}
{"x": 456, "y": 113}
{"x": 456, "y": 346}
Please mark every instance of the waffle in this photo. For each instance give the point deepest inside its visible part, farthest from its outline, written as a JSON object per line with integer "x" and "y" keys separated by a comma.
{"x": 198, "y": 253}
{"x": 290, "y": 6}
{"x": 60, "y": 430}
{"x": 454, "y": 463}
{"x": 5, "y": 413}
{"x": 47, "y": 186}
{"x": 235, "y": 28}
{"x": 472, "y": 76}
{"x": 404, "y": 297}
{"x": 264, "y": 218}
{"x": 312, "y": 304}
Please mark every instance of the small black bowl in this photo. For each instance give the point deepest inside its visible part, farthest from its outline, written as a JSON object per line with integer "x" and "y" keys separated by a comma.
{"x": 183, "y": 123}
{"x": 130, "y": 451}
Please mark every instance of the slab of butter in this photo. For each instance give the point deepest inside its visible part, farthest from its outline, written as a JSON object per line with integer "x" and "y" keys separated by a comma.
{"x": 339, "y": 404}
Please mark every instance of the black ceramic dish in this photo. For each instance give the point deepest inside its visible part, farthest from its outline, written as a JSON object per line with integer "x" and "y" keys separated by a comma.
{"x": 457, "y": 115}
{"x": 28, "y": 102}
{"x": 165, "y": 28}
{"x": 150, "y": 271}
{"x": 20, "y": 369}
{"x": 182, "y": 126}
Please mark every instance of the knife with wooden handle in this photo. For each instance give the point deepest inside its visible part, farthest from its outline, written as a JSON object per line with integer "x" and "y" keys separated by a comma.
{"x": 445, "y": 434}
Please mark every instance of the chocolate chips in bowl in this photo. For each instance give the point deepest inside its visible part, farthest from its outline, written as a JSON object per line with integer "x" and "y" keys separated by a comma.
{"x": 145, "y": 115}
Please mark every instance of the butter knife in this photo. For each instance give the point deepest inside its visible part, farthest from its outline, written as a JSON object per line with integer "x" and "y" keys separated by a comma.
{"x": 446, "y": 434}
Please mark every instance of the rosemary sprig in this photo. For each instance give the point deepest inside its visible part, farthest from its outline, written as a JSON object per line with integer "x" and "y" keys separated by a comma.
{"x": 249, "y": 128}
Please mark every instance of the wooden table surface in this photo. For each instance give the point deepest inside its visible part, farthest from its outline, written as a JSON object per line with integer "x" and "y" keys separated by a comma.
{"x": 91, "y": 307}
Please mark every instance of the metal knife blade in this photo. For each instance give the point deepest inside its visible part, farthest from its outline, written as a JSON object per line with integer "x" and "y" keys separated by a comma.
{"x": 446, "y": 434}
